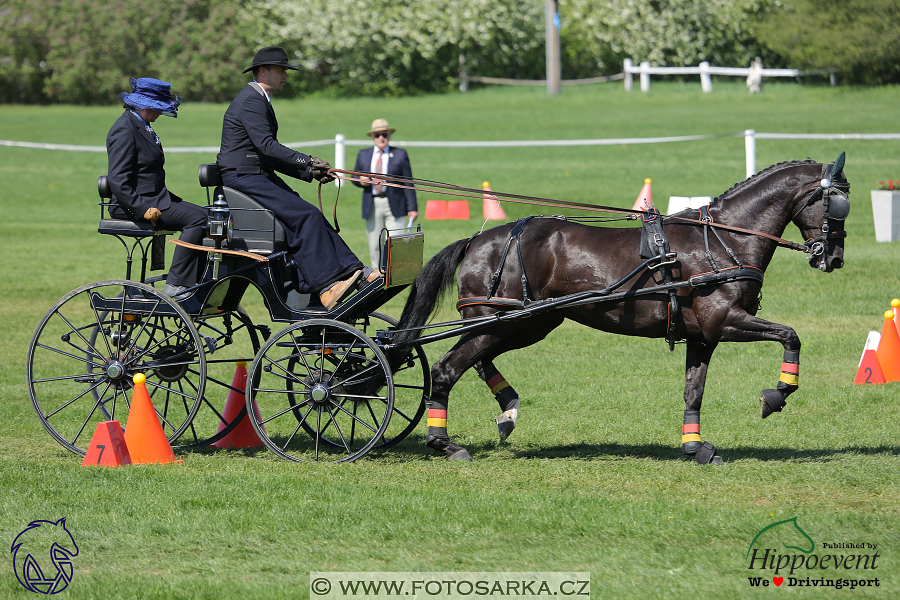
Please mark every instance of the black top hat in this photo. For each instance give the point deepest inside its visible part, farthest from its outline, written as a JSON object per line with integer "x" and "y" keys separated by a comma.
{"x": 272, "y": 55}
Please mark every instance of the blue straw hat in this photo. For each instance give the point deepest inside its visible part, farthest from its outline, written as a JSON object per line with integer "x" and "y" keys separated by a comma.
{"x": 152, "y": 93}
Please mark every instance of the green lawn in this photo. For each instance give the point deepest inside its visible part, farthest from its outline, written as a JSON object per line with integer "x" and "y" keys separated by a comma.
{"x": 593, "y": 478}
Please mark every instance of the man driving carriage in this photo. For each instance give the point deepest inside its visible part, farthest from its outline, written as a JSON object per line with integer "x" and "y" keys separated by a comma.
{"x": 249, "y": 158}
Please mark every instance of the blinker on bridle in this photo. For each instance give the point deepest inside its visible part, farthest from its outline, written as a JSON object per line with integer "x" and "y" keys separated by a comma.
{"x": 837, "y": 207}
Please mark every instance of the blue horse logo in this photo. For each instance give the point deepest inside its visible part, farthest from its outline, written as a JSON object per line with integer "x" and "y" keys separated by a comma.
{"x": 42, "y": 556}
{"x": 786, "y": 533}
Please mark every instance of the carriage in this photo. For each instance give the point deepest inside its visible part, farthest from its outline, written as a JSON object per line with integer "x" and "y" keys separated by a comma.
{"x": 315, "y": 399}
{"x": 334, "y": 384}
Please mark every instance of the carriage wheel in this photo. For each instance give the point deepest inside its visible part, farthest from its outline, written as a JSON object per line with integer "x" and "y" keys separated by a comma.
{"x": 229, "y": 338}
{"x": 91, "y": 343}
{"x": 412, "y": 385}
{"x": 327, "y": 377}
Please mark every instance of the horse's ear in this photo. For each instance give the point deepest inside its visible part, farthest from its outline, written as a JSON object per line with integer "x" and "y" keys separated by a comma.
{"x": 839, "y": 164}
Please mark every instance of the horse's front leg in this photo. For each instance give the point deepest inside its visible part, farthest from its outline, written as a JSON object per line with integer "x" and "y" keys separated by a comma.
{"x": 444, "y": 375}
{"x": 753, "y": 329}
{"x": 505, "y": 395}
{"x": 697, "y": 357}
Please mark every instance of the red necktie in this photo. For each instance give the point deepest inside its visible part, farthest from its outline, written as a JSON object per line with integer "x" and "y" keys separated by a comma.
{"x": 379, "y": 168}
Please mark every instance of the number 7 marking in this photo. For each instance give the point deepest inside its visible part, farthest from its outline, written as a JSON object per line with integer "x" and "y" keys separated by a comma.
{"x": 102, "y": 448}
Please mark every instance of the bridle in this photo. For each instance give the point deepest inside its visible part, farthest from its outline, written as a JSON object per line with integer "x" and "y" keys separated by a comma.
{"x": 837, "y": 207}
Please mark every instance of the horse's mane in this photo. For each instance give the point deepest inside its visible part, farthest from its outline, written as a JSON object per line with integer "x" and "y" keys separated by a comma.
{"x": 739, "y": 187}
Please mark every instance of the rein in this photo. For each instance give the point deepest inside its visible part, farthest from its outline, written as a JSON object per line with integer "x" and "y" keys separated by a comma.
{"x": 455, "y": 190}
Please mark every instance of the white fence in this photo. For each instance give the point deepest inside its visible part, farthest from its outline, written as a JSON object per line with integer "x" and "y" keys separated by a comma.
{"x": 644, "y": 71}
{"x": 340, "y": 143}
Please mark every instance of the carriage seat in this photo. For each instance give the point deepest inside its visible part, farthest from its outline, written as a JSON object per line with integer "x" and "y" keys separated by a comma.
{"x": 255, "y": 227}
{"x": 125, "y": 227}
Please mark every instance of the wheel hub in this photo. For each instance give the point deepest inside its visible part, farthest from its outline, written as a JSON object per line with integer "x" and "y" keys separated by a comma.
{"x": 319, "y": 393}
{"x": 173, "y": 372}
{"x": 115, "y": 370}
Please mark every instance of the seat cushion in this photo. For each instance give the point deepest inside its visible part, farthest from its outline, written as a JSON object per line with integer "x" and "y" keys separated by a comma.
{"x": 129, "y": 228}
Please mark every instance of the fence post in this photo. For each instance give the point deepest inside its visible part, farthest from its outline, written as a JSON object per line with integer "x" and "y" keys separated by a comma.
{"x": 705, "y": 79}
{"x": 750, "y": 151}
{"x": 339, "y": 154}
{"x": 626, "y": 68}
{"x": 645, "y": 76}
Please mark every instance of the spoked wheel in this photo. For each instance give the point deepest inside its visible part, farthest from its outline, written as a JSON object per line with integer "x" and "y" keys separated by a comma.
{"x": 412, "y": 383}
{"x": 91, "y": 343}
{"x": 326, "y": 377}
{"x": 229, "y": 338}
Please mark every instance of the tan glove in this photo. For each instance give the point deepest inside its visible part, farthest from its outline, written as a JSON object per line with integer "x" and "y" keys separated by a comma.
{"x": 152, "y": 215}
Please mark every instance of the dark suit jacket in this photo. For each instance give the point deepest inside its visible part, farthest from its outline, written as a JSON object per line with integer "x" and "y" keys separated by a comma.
{"x": 136, "y": 175}
{"x": 402, "y": 201}
{"x": 250, "y": 140}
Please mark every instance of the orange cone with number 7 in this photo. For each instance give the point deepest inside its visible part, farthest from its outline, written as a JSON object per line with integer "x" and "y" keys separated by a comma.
{"x": 144, "y": 435}
{"x": 889, "y": 349}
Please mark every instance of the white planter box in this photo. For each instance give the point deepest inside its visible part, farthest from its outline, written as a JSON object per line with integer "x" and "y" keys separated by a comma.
{"x": 886, "y": 210}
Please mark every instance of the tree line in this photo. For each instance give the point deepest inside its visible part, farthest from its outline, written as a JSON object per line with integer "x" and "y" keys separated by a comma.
{"x": 83, "y": 52}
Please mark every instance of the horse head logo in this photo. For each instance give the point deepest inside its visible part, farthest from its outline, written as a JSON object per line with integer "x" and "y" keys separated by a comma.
{"x": 42, "y": 556}
{"x": 786, "y": 533}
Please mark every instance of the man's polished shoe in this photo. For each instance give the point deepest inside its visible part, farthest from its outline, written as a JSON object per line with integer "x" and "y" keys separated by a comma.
{"x": 173, "y": 290}
{"x": 372, "y": 276}
{"x": 339, "y": 290}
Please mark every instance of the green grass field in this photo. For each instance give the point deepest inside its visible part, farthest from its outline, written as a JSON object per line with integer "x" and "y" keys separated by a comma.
{"x": 593, "y": 479}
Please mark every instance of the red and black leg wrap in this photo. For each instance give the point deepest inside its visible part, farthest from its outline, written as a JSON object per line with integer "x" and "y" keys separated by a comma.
{"x": 690, "y": 432}
{"x": 504, "y": 393}
{"x": 437, "y": 438}
{"x": 773, "y": 401}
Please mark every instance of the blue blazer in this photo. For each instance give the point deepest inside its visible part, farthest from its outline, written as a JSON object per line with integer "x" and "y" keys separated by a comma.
{"x": 402, "y": 201}
{"x": 136, "y": 175}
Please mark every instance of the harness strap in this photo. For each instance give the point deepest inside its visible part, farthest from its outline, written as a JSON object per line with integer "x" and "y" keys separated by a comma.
{"x": 495, "y": 278}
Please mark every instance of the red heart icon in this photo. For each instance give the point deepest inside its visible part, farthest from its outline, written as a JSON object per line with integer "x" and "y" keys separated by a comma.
{"x": 778, "y": 580}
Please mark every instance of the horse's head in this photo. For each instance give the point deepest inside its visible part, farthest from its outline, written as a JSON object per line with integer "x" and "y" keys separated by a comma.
{"x": 820, "y": 214}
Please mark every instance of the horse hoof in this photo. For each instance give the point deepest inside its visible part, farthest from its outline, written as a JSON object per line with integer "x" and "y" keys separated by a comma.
{"x": 771, "y": 401}
{"x": 460, "y": 454}
{"x": 690, "y": 447}
{"x": 505, "y": 428}
{"x": 706, "y": 455}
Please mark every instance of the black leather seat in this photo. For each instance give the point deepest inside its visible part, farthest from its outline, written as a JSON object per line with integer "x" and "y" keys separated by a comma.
{"x": 255, "y": 228}
{"x": 125, "y": 227}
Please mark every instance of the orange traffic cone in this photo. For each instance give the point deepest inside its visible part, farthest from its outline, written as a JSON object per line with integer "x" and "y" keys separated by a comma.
{"x": 436, "y": 210}
{"x": 144, "y": 435}
{"x": 491, "y": 206}
{"x": 889, "y": 349}
{"x": 108, "y": 447}
{"x": 242, "y": 436}
{"x": 645, "y": 198}
{"x": 895, "y": 304}
{"x": 458, "y": 209}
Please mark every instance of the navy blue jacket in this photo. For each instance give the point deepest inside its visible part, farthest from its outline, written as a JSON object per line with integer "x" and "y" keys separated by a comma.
{"x": 401, "y": 200}
{"x": 136, "y": 175}
{"x": 250, "y": 140}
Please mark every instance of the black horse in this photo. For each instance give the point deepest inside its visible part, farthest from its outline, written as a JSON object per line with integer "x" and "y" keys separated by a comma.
{"x": 701, "y": 284}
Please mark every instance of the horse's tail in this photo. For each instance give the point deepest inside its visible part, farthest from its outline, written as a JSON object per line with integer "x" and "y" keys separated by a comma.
{"x": 429, "y": 288}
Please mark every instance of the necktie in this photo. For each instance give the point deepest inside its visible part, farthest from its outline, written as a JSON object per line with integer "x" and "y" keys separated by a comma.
{"x": 379, "y": 168}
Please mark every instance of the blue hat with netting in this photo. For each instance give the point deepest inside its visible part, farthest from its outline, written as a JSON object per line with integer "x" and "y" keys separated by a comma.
{"x": 152, "y": 93}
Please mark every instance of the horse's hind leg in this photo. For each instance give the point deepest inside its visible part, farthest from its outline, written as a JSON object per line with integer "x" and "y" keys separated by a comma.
{"x": 697, "y": 357}
{"x": 505, "y": 395}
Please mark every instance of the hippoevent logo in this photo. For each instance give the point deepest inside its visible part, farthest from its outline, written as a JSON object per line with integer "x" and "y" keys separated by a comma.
{"x": 784, "y": 554}
{"x": 42, "y": 556}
